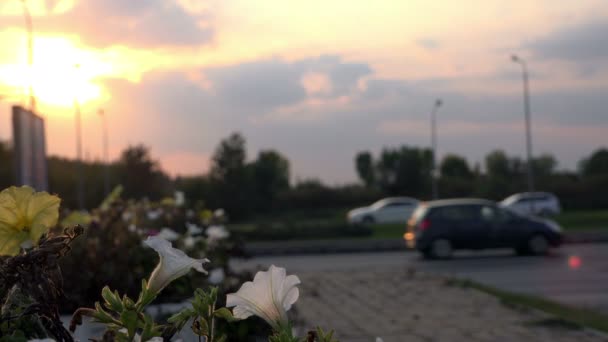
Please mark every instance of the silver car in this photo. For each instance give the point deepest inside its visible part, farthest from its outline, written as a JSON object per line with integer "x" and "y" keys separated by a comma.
{"x": 533, "y": 203}
{"x": 387, "y": 210}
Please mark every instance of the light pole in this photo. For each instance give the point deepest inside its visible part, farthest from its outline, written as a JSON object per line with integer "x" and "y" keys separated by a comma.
{"x": 524, "y": 69}
{"x": 79, "y": 163}
{"x": 106, "y": 171}
{"x": 30, "y": 51}
{"x": 434, "y": 171}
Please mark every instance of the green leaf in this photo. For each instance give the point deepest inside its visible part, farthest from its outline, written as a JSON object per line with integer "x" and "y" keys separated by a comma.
{"x": 128, "y": 303}
{"x": 112, "y": 197}
{"x": 101, "y": 315}
{"x": 183, "y": 315}
{"x": 325, "y": 337}
{"x": 113, "y": 302}
{"x": 225, "y": 314}
{"x": 150, "y": 329}
{"x": 129, "y": 320}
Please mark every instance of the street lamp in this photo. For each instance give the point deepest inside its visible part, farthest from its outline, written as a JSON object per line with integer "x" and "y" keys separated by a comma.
{"x": 434, "y": 171}
{"x": 524, "y": 69}
{"x": 106, "y": 175}
{"x": 79, "y": 162}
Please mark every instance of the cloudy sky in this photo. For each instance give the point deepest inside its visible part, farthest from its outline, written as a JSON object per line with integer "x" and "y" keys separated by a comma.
{"x": 317, "y": 80}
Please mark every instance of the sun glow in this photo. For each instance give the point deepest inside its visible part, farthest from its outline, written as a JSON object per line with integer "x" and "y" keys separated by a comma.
{"x": 61, "y": 72}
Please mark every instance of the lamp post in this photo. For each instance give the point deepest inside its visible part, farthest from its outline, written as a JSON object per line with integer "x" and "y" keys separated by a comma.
{"x": 524, "y": 69}
{"x": 434, "y": 172}
{"x": 79, "y": 163}
{"x": 106, "y": 171}
{"x": 30, "y": 51}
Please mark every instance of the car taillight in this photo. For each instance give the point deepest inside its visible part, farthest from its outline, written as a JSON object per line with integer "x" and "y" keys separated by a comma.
{"x": 425, "y": 224}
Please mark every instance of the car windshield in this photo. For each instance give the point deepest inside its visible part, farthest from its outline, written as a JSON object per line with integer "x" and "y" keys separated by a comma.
{"x": 379, "y": 204}
{"x": 509, "y": 200}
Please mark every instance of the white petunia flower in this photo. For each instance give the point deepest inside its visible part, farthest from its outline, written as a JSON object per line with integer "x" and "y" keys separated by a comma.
{"x": 193, "y": 229}
{"x": 168, "y": 234}
{"x": 269, "y": 296}
{"x": 153, "y": 214}
{"x": 180, "y": 198}
{"x": 191, "y": 241}
{"x": 173, "y": 264}
{"x": 216, "y": 233}
{"x": 219, "y": 213}
{"x": 216, "y": 276}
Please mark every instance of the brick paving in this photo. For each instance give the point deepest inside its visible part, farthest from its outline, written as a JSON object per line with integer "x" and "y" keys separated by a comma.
{"x": 403, "y": 305}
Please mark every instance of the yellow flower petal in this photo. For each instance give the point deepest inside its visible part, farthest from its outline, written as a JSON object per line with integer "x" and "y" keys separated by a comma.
{"x": 11, "y": 240}
{"x": 42, "y": 213}
{"x": 25, "y": 214}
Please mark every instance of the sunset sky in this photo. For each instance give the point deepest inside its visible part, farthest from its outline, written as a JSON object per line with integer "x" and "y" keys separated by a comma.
{"x": 316, "y": 80}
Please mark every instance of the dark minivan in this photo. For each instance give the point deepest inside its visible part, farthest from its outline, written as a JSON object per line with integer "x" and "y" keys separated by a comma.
{"x": 437, "y": 228}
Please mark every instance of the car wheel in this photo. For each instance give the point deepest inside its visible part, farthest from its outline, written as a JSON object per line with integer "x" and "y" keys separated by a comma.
{"x": 538, "y": 245}
{"x": 441, "y": 249}
{"x": 368, "y": 220}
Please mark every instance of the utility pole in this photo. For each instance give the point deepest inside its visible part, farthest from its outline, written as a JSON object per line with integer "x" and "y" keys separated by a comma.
{"x": 434, "y": 171}
{"x": 30, "y": 53}
{"x": 106, "y": 161}
{"x": 527, "y": 115}
{"x": 79, "y": 162}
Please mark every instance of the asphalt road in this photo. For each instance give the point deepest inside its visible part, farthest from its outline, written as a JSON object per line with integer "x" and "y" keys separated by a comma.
{"x": 573, "y": 274}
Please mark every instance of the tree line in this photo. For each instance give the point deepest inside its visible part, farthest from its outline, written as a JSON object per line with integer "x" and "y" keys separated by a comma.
{"x": 246, "y": 188}
{"x": 407, "y": 171}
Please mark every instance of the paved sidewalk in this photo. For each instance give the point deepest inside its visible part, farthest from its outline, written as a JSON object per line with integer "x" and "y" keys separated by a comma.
{"x": 402, "y": 306}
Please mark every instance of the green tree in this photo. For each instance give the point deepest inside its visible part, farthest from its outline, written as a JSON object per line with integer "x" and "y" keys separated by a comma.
{"x": 405, "y": 171}
{"x": 364, "y": 163}
{"x": 455, "y": 166}
{"x": 141, "y": 175}
{"x": 497, "y": 164}
{"x": 231, "y": 177}
{"x": 457, "y": 179}
{"x": 596, "y": 164}
{"x": 270, "y": 176}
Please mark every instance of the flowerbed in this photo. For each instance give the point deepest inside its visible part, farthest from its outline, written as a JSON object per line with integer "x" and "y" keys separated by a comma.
{"x": 46, "y": 268}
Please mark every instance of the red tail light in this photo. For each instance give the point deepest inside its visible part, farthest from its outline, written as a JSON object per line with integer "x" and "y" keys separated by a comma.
{"x": 425, "y": 224}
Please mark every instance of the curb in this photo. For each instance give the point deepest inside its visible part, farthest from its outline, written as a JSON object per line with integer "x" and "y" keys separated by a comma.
{"x": 374, "y": 245}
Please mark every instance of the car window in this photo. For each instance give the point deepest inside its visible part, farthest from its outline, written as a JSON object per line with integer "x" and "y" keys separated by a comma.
{"x": 490, "y": 213}
{"x": 458, "y": 213}
{"x": 507, "y": 215}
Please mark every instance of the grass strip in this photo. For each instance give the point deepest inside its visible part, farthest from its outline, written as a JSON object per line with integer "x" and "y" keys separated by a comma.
{"x": 577, "y": 316}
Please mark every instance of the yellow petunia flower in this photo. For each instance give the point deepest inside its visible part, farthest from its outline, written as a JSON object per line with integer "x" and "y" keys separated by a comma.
{"x": 25, "y": 215}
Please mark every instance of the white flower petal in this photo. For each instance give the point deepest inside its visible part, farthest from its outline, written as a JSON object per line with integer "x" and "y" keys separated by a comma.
{"x": 173, "y": 263}
{"x": 168, "y": 234}
{"x": 217, "y": 233}
{"x": 193, "y": 229}
{"x": 269, "y": 296}
{"x": 216, "y": 276}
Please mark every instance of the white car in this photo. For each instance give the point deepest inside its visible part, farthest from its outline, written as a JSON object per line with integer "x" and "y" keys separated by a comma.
{"x": 387, "y": 210}
{"x": 533, "y": 203}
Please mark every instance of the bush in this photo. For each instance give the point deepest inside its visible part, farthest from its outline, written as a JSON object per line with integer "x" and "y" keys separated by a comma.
{"x": 298, "y": 231}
